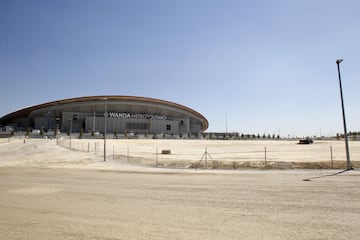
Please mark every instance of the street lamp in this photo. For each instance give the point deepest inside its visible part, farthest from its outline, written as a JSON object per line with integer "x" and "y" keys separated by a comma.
{"x": 348, "y": 164}
{"x": 70, "y": 131}
{"x": 105, "y": 118}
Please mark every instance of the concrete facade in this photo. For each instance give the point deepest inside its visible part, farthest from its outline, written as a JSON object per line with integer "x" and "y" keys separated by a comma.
{"x": 124, "y": 114}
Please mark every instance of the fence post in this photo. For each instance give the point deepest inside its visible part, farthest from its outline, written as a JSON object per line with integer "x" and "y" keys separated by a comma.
{"x": 96, "y": 148}
{"x": 206, "y": 156}
{"x": 331, "y": 154}
{"x": 88, "y": 147}
{"x": 156, "y": 157}
{"x": 265, "y": 156}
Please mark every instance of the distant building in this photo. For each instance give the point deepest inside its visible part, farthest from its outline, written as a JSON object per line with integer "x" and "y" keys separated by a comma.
{"x": 124, "y": 114}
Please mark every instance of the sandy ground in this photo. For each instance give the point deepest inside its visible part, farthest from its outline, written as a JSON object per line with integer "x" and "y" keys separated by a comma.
{"x": 223, "y": 154}
{"x": 92, "y": 204}
{"x": 48, "y": 191}
{"x": 184, "y": 153}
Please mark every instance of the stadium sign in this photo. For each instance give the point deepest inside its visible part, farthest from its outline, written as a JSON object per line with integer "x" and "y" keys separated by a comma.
{"x": 136, "y": 116}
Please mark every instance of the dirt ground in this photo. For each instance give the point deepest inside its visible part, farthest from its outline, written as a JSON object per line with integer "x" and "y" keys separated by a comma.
{"x": 49, "y": 191}
{"x": 283, "y": 154}
{"x": 42, "y": 203}
{"x": 229, "y": 154}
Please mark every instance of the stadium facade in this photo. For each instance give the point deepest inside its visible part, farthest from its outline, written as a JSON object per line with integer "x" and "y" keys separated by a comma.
{"x": 123, "y": 114}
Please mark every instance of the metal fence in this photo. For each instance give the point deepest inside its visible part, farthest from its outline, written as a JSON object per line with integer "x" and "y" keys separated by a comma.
{"x": 219, "y": 154}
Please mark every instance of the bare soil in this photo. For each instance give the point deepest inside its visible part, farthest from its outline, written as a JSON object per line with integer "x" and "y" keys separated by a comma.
{"x": 49, "y": 191}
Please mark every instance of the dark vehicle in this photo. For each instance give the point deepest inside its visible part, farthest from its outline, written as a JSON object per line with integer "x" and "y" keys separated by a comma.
{"x": 306, "y": 141}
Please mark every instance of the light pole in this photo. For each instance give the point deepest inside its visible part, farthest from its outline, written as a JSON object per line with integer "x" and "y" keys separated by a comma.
{"x": 105, "y": 118}
{"x": 70, "y": 120}
{"x": 348, "y": 164}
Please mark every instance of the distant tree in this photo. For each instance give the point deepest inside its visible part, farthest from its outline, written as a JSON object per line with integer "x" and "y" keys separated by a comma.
{"x": 353, "y": 135}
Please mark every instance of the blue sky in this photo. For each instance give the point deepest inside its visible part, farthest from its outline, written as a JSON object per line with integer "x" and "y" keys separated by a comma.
{"x": 248, "y": 66}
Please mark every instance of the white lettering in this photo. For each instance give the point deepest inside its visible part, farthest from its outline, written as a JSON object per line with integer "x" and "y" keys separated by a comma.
{"x": 136, "y": 116}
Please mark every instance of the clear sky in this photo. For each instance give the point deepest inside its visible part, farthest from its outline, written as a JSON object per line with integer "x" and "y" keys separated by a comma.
{"x": 254, "y": 66}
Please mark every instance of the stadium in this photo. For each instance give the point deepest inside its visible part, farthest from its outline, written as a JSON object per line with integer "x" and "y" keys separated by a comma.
{"x": 113, "y": 114}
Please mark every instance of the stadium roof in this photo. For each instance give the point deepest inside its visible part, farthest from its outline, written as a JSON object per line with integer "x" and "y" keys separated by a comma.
{"x": 25, "y": 112}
